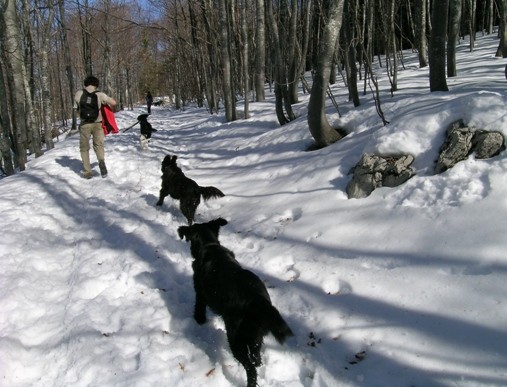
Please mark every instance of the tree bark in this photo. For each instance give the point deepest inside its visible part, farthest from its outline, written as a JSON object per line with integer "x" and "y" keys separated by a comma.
{"x": 502, "y": 47}
{"x": 16, "y": 80}
{"x": 439, "y": 22}
{"x": 227, "y": 81}
{"x": 84, "y": 20}
{"x": 67, "y": 59}
{"x": 350, "y": 42}
{"x": 422, "y": 43}
{"x": 293, "y": 76}
{"x": 5, "y": 135}
{"x": 244, "y": 10}
{"x": 453, "y": 36}
{"x": 318, "y": 124}
{"x": 280, "y": 71}
{"x": 45, "y": 24}
{"x": 260, "y": 50}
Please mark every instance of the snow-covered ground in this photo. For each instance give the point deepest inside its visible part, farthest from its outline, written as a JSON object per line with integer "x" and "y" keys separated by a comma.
{"x": 404, "y": 288}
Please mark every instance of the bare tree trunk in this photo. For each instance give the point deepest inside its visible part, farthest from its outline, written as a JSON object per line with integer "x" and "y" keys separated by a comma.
{"x": 177, "y": 68}
{"x": 367, "y": 37}
{"x": 107, "y": 84}
{"x": 5, "y": 134}
{"x": 84, "y": 19}
{"x": 306, "y": 39}
{"x": 211, "y": 70}
{"x": 393, "y": 47}
{"x": 471, "y": 15}
{"x": 318, "y": 124}
{"x": 491, "y": 17}
{"x": 227, "y": 82}
{"x": 67, "y": 59}
{"x": 453, "y": 36}
{"x": 197, "y": 59}
{"x": 260, "y": 50}
{"x": 33, "y": 132}
{"x": 350, "y": 41}
{"x": 16, "y": 80}
{"x": 502, "y": 47}
{"x": 244, "y": 9}
{"x": 293, "y": 76}
{"x": 46, "y": 24}
{"x": 439, "y": 21}
{"x": 280, "y": 71}
{"x": 422, "y": 43}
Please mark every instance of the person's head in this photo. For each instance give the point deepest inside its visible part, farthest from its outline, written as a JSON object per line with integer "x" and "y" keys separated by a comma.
{"x": 91, "y": 81}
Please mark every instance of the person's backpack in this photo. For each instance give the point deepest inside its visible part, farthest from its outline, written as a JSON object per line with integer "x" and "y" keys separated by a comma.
{"x": 88, "y": 107}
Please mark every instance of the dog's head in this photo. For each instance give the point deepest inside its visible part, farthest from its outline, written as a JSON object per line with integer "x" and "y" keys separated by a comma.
{"x": 168, "y": 162}
{"x": 201, "y": 234}
{"x": 143, "y": 117}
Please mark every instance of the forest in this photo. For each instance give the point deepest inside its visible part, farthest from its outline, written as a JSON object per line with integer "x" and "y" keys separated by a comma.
{"x": 218, "y": 54}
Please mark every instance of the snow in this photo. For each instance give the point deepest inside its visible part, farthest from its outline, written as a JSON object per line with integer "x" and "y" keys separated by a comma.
{"x": 403, "y": 288}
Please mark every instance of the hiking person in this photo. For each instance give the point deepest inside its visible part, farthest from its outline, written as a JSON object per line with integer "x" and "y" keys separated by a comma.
{"x": 88, "y": 102}
{"x": 149, "y": 101}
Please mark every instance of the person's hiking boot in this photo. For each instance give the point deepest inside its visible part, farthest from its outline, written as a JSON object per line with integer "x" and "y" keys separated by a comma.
{"x": 87, "y": 175}
{"x": 103, "y": 169}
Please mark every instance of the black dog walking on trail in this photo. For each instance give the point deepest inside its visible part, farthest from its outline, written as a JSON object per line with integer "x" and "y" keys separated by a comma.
{"x": 146, "y": 130}
{"x": 236, "y": 294}
{"x": 184, "y": 189}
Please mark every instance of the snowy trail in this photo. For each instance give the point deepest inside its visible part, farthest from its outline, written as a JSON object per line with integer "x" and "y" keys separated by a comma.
{"x": 403, "y": 288}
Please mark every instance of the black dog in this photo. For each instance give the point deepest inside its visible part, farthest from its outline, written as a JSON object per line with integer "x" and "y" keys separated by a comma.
{"x": 146, "y": 130}
{"x": 180, "y": 187}
{"x": 236, "y": 294}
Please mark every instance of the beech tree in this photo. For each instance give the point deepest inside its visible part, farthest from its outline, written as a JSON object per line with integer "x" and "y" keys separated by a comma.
{"x": 350, "y": 44}
{"x": 16, "y": 76}
{"x": 6, "y": 162}
{"x": 502, "y": 47}
{"x": 437, "y": 56}
{"x": 260, "y": 52}
{"x": 422, "y": 44}
{"x": 283, "y": 106}
{"x": 67, "y": 61}
{"x": 227, "y": 82}
{"x": 323, "y": 133}
{"x": 453, "y": 36}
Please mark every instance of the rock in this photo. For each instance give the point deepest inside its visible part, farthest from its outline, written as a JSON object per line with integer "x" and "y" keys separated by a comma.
{"x": 456, "y": 147}
{"x": 487, "y": 144}
{"x": 461, "y": 141}
{"x": 374, "y": 171}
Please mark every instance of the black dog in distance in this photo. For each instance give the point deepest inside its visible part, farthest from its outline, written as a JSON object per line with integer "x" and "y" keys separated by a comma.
{"x": 180, "y": 187}
{"x": 146, "y": 131}
{"x": 236, "y": 294}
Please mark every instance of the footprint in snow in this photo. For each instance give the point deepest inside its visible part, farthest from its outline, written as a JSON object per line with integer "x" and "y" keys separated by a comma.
{"x": 288, "y": 216}
{"x": 332, "y": 285}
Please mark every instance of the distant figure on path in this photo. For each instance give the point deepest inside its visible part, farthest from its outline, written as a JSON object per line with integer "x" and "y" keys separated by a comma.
{"x": 149, "y": 101}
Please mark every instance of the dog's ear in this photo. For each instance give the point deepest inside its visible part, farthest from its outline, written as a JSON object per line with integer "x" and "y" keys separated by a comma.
{"x": 221, "y": 221}
{"x": 215, "y": 225}
{"x": 174, "y": 159}
{"x": 183, "y": 232}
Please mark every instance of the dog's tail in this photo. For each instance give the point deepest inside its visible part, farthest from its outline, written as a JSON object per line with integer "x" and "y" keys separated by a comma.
{"x": 272, "y": 320}
{"x": 210, "y": 193}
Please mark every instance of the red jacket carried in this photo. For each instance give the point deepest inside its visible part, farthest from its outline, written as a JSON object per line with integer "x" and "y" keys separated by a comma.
{"x": 108, "y": 121}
